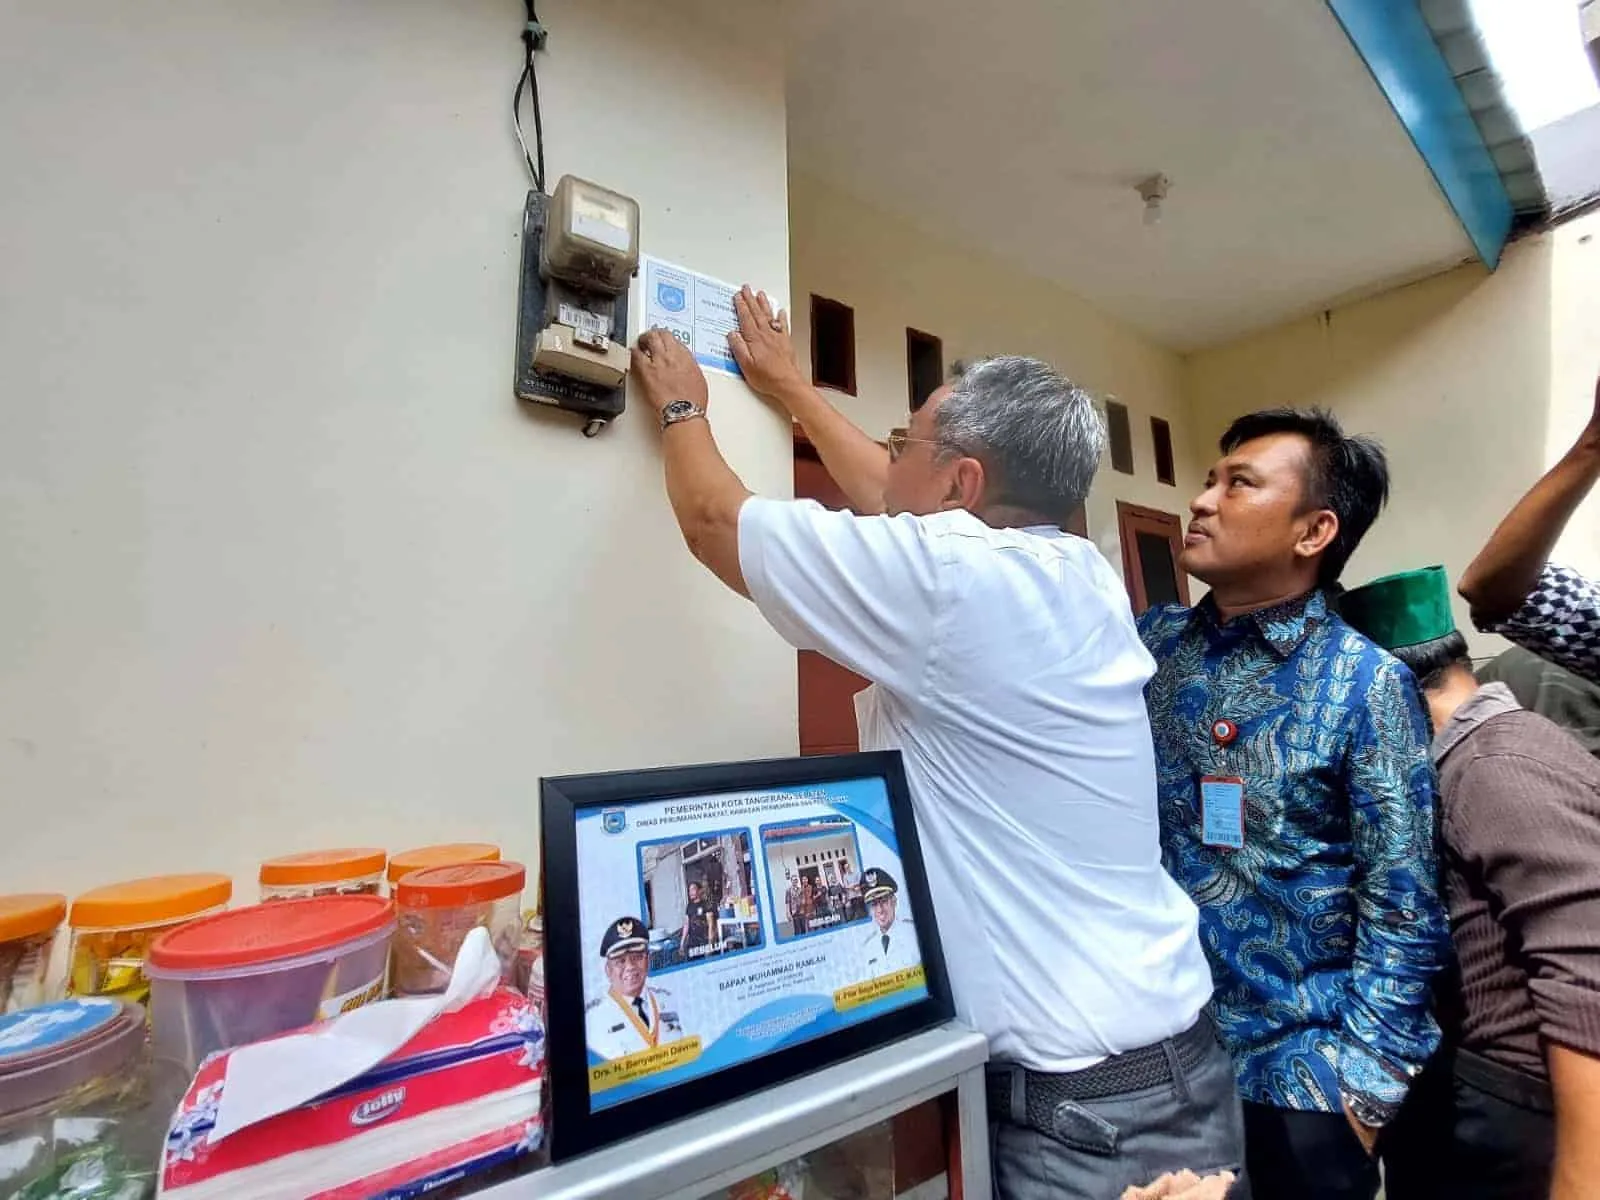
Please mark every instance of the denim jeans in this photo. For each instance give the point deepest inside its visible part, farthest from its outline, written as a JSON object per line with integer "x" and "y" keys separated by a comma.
{"x": 1100, "y": 1147}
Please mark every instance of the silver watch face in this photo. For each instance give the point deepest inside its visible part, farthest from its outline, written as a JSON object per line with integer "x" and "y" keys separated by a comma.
{"x": 676, "y": 411}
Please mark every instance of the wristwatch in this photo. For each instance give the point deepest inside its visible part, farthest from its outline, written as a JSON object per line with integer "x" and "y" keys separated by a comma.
{"x": 1370, "y": 1114}
{"x": 680, "y": 410}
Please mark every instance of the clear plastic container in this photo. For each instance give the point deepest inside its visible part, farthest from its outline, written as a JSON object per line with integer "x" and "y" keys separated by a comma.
{"x": 354, "y": 872}
{"x": 112, "y": 928}
{"x": 28, "y": 927}
{"x": 255, "y": 972}
{"x": 83, "y": 1111}
{"x": 439, "y": 907}
{"x": 451, "y": 854}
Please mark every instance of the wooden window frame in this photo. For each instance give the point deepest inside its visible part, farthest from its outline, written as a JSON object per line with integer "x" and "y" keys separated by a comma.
{"x": 1111, "y": 441}
{"x": 1161, "y": 434}
{"x": 849, "y": 387}
{"x": 913, "y": 335}
{"x": 1132, "y": 519}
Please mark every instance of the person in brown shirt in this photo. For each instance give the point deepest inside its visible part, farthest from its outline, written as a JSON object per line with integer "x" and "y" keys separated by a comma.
{"x": 1550, "y": 690}
{"x": 1510, "y": 1110}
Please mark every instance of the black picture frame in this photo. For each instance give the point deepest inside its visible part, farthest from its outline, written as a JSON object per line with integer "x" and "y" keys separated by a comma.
{"x": 574, "y": 1128}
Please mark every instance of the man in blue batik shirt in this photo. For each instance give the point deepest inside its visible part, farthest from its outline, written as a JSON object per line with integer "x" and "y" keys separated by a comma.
{"x": 1297, "y": 800}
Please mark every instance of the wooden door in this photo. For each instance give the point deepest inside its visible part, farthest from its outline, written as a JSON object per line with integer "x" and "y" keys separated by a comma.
{"x": 827, "y": 690}
{"x": 1151, "y": 542}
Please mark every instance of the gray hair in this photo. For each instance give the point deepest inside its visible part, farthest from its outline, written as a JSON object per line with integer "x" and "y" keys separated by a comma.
{"x": 1035, "y": 429}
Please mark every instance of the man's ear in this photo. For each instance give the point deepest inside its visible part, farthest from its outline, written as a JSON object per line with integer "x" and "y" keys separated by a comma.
{"x": 967, "y": 482}
{"x": 1320, "y": 529}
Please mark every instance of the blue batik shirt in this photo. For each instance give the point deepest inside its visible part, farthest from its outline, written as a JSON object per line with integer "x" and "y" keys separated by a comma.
{"x": 1324, "y": 931}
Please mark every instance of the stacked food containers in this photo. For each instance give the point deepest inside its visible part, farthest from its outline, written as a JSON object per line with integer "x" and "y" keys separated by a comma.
{"x": 254, "y": 972}
{"x": 451, "y": 854}
{"x": 80, "y": 1111}
{"x": 28, "y": 927}
{"x": 323, "y": 873}
{"x": 439, "y": 906}
{"x": 113, "y": 927}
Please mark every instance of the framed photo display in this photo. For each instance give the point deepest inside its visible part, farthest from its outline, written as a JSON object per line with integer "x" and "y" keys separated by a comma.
{"x": 711, "y": 931}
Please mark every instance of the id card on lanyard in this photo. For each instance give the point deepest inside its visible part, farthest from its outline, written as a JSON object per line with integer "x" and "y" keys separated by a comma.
{"x": 1222, "y": 798}
{"x": 1222, "y": 811}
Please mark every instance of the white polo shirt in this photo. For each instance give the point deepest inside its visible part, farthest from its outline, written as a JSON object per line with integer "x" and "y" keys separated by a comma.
{"x": 1010, "y": 675}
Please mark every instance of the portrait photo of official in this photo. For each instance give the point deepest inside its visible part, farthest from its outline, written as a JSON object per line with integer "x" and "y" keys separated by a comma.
{"x": 892, "y": 944}
{"x": 632, "y": 1014}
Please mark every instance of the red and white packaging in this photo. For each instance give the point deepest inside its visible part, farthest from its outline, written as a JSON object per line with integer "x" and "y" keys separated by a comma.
{"x": 460, "y": 1097}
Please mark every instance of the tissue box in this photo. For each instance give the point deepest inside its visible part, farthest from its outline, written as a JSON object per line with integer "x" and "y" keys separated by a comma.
{"x": 461, "y": 1097}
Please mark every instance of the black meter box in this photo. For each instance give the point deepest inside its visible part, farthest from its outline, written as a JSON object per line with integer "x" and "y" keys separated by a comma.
{"x": 579, "y": 250}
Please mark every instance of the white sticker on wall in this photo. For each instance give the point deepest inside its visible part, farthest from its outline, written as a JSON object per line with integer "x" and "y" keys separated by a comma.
{"x": 694, "y": 308}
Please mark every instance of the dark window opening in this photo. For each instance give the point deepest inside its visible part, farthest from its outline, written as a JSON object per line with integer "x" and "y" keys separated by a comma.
{"x": 924, "y": 366}
{"x": 833, "y": 345}
{"x": 1121, "y": 435}
{"x": 1157, "y": 570}
{"x": 1161, "y": 436}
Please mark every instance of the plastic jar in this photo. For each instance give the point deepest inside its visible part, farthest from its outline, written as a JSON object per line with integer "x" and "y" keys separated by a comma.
{"x": 254, "y": 972}
{"x": 439, "y": 906}
{"x": 112, "y": 928}
{"x": 451, "y": 855}
{"x": 28, "y": 926}
{"x": 79, "y": 1102}
{"x": 323, "y": 873}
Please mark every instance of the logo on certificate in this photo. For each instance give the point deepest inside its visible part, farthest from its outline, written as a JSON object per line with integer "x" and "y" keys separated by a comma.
{"x": 614, "y": 820}
{"x": 670, "y": 297}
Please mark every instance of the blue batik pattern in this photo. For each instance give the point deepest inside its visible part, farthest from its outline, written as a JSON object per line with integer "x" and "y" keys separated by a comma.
{"x": 1324, "y": 932}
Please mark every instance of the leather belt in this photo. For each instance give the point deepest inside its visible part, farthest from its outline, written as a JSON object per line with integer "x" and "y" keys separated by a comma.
{"x": 1135, "y": 1070}
{"x": 1504, "y": 1083}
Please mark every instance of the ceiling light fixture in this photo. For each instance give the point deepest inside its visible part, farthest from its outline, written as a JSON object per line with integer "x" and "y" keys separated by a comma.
{"x": 1153, "y": 191}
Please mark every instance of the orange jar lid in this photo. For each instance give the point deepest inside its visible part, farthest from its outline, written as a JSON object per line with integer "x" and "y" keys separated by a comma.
{"x": 451, "y": 855}
{"x": 263, "y": 933}
{"x": 468, "y": 883}
{"x": 322, "y": 866}
{"x": 153, "y": 901}
{"x": 30, "y": 915}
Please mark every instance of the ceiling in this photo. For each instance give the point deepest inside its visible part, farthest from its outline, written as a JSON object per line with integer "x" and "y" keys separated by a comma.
{"x": 1020, "y": 128}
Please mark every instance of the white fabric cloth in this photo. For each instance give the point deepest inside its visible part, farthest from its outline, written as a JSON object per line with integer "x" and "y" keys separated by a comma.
{"x": 1009, "y": 673}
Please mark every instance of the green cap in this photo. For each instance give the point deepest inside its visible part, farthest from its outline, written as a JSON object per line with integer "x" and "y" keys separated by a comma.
{"x": 1401, "y": 610}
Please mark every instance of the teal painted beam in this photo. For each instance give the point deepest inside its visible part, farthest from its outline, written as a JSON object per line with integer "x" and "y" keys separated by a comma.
{"x": 1393, "y": 39}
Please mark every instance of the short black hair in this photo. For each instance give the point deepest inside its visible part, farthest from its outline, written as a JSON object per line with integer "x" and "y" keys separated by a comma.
{"x": 1347, "y": 474}
{"x": 1430, "y": 661}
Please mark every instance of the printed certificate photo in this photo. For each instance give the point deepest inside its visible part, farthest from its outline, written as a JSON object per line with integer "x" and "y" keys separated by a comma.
{"x": 716, "y": 929}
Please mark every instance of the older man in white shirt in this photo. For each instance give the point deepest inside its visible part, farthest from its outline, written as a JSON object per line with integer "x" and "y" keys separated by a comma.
{"x": 1008, "y": 672}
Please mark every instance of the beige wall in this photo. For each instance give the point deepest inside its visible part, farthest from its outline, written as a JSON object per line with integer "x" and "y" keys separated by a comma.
{"x": 895, "y": 276}
{"x": 283, "y": 564}
{"x": 1474, "y": 382}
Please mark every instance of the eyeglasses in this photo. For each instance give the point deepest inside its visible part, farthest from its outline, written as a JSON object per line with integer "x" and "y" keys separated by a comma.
{"x": 898, "y": 440}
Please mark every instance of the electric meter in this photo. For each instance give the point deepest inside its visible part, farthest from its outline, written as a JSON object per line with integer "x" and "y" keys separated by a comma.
{"x": 591, "y": 237}
{"x": 580, "y": 248}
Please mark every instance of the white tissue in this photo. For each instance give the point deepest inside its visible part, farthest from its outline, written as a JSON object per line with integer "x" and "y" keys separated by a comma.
{"x": 264, "y": 1079}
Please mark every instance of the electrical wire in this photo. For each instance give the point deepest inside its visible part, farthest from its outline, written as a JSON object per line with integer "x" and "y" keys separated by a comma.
{"x": 533, "y": 40}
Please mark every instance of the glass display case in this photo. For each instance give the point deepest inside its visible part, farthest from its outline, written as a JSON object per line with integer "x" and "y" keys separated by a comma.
{"x": 824, "y": 1136}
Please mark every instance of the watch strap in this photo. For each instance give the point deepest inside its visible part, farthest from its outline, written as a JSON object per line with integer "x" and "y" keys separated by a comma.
{"x": 680, "y": 410}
